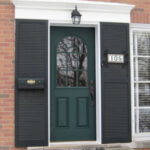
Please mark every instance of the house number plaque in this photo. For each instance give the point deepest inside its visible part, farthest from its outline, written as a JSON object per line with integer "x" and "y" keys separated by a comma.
{"x": 115, "y": 58}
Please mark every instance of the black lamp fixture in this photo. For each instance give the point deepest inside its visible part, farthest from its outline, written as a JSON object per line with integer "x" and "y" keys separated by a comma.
{"x": 76, "y": 16}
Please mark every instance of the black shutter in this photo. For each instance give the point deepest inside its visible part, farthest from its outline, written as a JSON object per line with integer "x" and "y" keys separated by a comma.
{"x": 31, "y": 112}
{"x": 116, "y": 117}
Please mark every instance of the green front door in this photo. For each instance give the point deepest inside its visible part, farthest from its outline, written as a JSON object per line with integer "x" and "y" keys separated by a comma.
{"x": 72, "y": 74}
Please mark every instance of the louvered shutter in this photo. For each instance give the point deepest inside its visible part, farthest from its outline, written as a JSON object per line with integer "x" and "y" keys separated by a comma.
{"x": 31, "y": 110}
{"x": 116, "y": 117}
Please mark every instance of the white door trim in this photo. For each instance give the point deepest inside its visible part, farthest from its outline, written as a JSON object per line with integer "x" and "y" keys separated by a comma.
{"x": 96, "y": 25}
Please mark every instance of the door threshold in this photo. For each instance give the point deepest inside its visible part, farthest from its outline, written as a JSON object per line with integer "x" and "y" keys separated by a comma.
{"x": 74, "y": 144}
{"x": 68, "y": 145}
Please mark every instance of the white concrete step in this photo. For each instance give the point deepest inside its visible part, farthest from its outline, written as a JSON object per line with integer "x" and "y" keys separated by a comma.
{"x": 84, "y": 149}
{"x": 95, "y": 148}
{"x": 117, "y": 146}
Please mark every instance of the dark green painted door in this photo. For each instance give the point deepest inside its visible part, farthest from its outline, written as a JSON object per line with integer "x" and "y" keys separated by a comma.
{"x": 72, "y": 111}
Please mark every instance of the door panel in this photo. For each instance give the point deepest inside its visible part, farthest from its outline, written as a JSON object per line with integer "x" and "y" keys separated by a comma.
{"x": 62, "y": 112}
{"x": 82, "y": 108}
{"x": 72, "y": 68}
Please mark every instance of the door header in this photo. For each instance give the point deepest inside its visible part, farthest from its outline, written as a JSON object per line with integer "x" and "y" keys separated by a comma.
{"x": 61, "y": 10}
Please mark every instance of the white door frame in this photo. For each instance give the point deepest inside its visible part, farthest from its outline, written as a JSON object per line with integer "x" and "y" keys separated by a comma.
{"x": 96, "y": 25}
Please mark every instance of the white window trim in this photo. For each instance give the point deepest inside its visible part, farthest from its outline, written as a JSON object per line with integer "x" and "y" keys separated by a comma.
{"x": 135, "y": 28}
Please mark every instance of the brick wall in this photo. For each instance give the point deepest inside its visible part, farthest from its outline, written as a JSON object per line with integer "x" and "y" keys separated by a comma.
{"x": 7, "y": 46}
{"x": 141, "y": 14}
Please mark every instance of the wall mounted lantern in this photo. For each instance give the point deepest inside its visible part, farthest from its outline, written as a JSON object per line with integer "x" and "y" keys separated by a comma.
{"x": 76, "y": 16}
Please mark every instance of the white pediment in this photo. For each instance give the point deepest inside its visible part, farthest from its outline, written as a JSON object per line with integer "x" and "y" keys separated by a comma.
{"x": 61, "y": 10}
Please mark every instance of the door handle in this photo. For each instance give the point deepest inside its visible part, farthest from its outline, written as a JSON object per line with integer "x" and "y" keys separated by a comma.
{"x": 92, "y": 96}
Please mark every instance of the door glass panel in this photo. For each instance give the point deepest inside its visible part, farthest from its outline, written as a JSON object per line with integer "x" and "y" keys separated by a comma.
{"x": 61, "y": 78}
{"x": 72, "y": 78}
{"x": 82, "y": 48}
{"x": 72, "y": 61}
{"x": 62, "y": 47}
{"x": 72, "y": 57}
{"x": 82, "y": 78}
{"x": 82, "y": 63}
{"x": 61, "y": 60}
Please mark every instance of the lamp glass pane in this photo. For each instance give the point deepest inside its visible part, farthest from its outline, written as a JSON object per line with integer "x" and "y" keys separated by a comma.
{"x": 76, "y": 19}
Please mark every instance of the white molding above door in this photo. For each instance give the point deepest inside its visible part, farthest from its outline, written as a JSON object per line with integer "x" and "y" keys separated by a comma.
{"x": 61, "y": 10}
